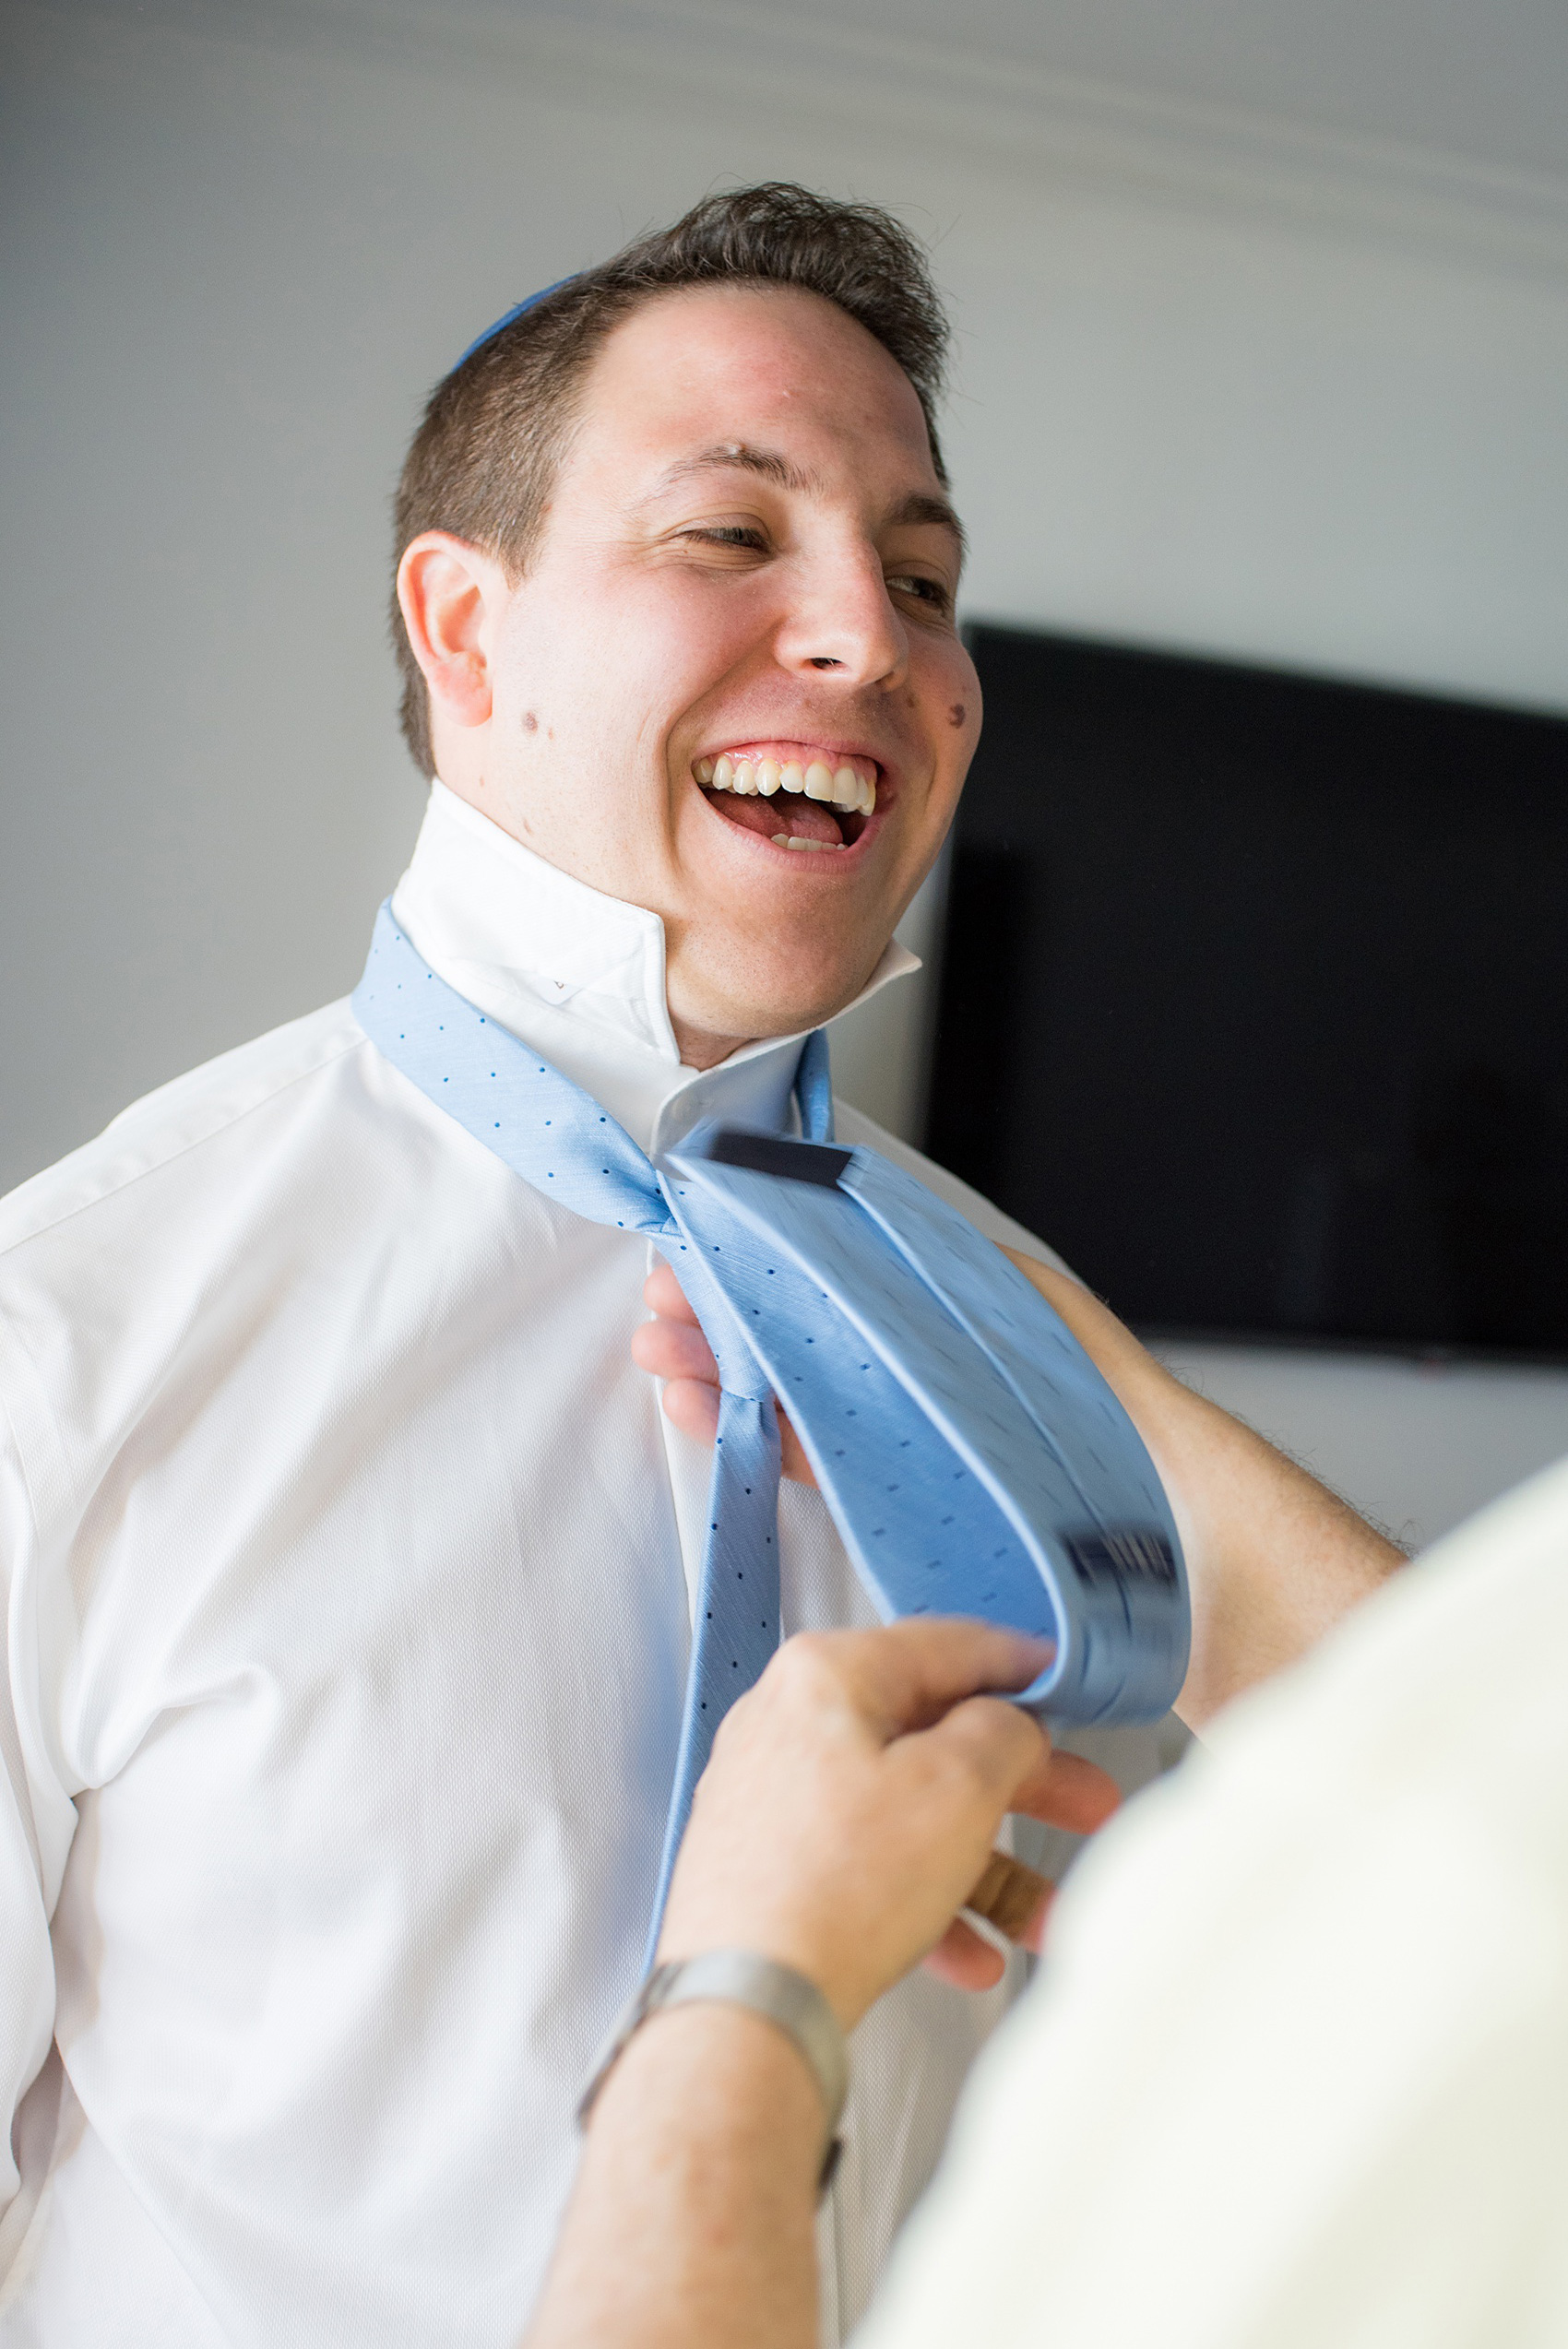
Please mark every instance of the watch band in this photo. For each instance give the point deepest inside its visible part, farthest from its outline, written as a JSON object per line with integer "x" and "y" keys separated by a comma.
{"x": 789, "y": 2000}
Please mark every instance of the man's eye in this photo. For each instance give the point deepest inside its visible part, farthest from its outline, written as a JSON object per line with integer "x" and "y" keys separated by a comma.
{"x": 730, "y": 534}
{"x": 930, "y": 592}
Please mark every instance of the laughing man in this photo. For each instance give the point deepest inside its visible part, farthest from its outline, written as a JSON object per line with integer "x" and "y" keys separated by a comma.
{"x": 349, "y": 1557}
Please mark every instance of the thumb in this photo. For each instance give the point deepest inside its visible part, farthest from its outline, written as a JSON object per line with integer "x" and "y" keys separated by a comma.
{"x": 986, "y": 1746}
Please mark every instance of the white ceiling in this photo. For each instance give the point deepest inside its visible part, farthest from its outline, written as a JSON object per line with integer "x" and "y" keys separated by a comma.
{"x": 1486, "y": 80}
{"x": 1482, "y": 82}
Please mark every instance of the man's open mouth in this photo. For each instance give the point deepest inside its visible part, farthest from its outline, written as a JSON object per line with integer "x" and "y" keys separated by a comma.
{"x": 796, "y": 794}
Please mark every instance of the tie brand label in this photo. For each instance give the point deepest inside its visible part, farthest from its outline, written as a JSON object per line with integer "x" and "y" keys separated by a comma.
{"x": 1124, "y": 1554}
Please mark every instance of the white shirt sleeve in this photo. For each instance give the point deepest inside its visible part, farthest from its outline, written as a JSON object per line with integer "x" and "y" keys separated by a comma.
{"x": 1297, "y": 2068}
{"x": 36, "y": 1823}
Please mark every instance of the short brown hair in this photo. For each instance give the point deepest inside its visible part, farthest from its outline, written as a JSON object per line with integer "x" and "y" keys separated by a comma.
{"x": 484, "y": 460}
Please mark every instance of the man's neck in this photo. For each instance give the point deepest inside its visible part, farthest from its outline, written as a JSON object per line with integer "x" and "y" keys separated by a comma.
{"x": 699, "y": 1047}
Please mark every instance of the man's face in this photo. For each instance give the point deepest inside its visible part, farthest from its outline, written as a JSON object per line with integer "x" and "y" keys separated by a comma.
{"x": 747, "y": 558}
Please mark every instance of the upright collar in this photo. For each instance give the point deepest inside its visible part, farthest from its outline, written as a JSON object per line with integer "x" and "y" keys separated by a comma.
{"x": 581, "y": 976}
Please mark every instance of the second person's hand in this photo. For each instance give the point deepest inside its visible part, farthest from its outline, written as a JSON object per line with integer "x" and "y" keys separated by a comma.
{"x": 853, "y": 1797}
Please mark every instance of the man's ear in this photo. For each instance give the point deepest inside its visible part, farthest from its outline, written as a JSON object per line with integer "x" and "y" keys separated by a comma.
{"x": 451, "y": 596}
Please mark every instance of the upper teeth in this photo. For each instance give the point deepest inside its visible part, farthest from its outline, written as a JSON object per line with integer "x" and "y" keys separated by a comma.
{"x": 844, "y": 788}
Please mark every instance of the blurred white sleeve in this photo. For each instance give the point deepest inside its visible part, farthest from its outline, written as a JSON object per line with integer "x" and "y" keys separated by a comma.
{"x": 1297, "y": 2066}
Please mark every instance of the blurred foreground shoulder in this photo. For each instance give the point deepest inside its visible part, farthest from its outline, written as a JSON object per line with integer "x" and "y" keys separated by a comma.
{"x": 1295, "y": 2069}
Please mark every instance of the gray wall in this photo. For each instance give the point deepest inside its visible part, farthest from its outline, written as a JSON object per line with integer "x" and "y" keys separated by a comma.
{"x": 1223, "y": 382}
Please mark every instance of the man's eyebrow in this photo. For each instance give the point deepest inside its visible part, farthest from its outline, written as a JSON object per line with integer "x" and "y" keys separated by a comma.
{"x": 735, "y": 453}
{"x": 920, "y": 506}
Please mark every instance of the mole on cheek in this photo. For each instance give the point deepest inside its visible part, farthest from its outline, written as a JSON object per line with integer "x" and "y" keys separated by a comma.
{"x": 957, "y": 714}
{"x": 530, "y": 723}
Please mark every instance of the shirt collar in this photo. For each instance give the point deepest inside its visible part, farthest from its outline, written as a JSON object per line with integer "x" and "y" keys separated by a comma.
{"x": 581, "y": 976}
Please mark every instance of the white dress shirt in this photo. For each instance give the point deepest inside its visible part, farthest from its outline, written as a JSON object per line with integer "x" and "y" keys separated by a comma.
{"x": 349, "y": 1566}
{"x": 1296, "y": 2072}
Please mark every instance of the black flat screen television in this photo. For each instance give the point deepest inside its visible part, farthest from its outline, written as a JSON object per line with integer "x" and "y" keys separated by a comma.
{"x": 1254, "y": 997}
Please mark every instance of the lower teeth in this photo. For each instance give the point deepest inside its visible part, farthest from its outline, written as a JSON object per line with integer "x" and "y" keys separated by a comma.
{"x": 793, "y": 841}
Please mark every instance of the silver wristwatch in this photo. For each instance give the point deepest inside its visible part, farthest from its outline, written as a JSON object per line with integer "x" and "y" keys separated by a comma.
{"x": 740, "y": 1977}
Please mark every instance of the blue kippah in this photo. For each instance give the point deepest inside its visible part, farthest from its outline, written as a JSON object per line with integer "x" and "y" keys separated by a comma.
{"x": 516, "y": 310}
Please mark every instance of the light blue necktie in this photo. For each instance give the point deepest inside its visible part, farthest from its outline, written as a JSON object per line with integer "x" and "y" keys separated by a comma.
{"x": 973, "y": 1458}
{"x": 556, "y": 1136}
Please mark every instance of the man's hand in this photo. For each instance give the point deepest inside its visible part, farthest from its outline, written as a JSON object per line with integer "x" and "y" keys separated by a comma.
{"x": 673, "y": 1348}
{"x": 852, "y": 1800}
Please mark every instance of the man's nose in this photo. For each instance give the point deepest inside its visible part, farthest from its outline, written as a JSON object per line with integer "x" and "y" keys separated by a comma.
{"x": 841, "y": 622}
